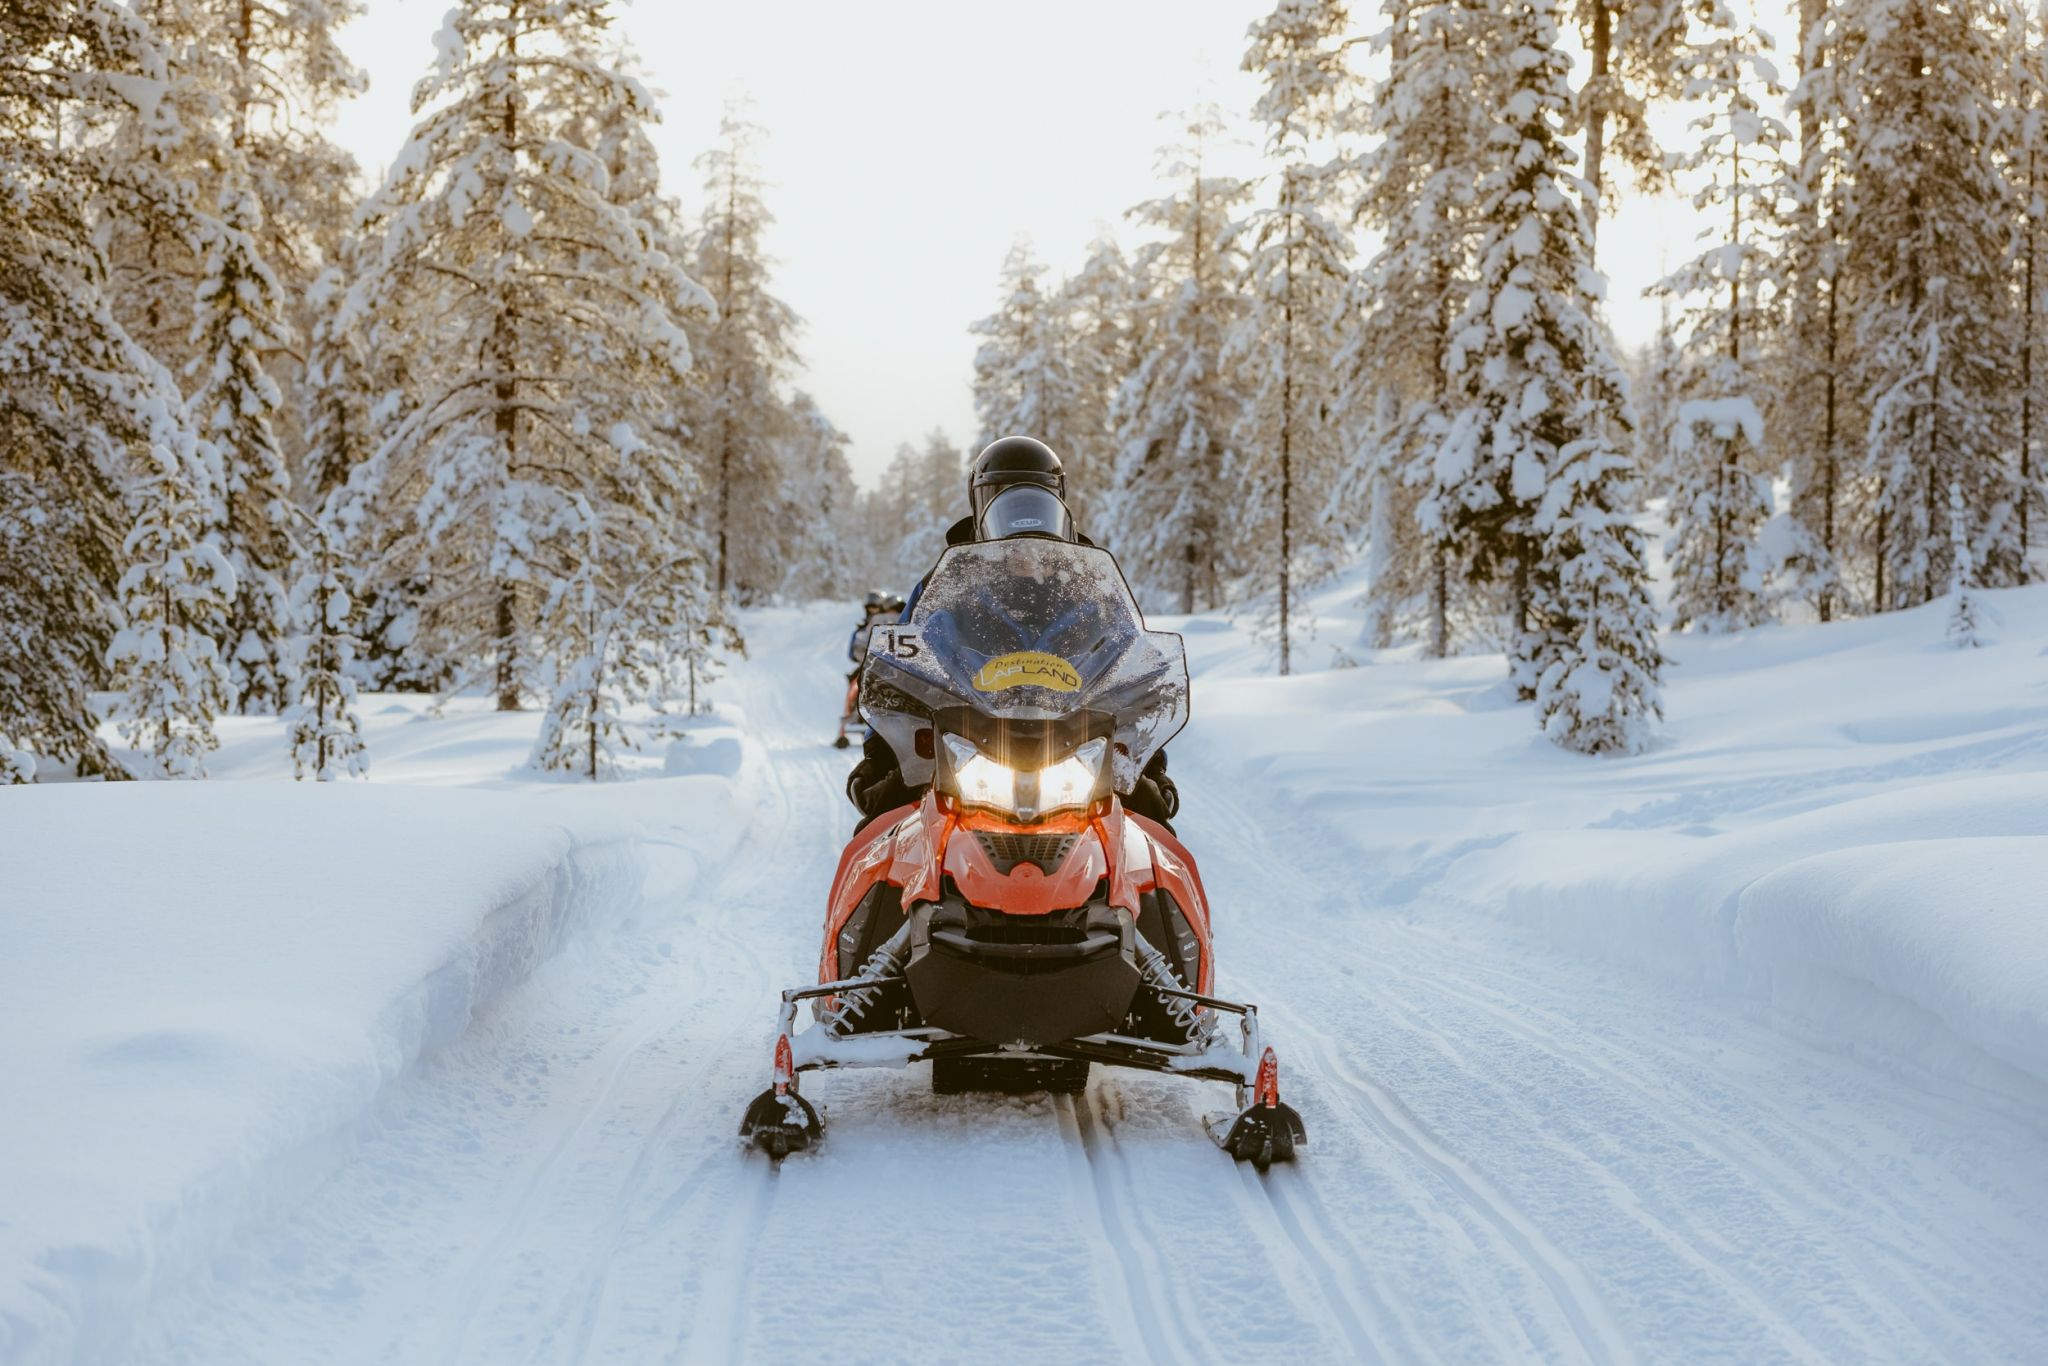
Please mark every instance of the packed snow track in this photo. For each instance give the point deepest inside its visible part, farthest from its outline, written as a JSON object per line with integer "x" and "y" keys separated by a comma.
{"x": 1515, "y": 1154}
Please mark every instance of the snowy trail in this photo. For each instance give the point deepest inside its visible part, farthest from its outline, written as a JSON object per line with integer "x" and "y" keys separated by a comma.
{"x": 1515, "y": 1154}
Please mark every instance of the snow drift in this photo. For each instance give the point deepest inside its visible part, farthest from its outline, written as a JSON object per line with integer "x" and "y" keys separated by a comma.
{"x": 1847, "y": 821}
{"x": 204, "y": 988}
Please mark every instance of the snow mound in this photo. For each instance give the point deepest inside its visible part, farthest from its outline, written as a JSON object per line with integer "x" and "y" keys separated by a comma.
{"x": 237, "y": 972}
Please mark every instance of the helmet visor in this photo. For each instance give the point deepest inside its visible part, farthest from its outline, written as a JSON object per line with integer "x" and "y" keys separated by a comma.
{"x": 1026, "y": 510}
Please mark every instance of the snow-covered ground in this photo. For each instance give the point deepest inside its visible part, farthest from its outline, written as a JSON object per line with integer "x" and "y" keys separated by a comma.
{"x": 1731, "y": 1051}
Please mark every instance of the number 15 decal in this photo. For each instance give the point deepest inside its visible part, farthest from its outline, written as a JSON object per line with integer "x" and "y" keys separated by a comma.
{"x": 902, "y": 642}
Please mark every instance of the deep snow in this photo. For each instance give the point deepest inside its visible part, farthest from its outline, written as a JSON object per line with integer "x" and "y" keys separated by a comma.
{"x": 1729, "y": 1051}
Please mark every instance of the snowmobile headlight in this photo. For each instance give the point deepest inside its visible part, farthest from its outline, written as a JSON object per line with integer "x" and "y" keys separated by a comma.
{"x": 978, "y": 779}
{"x": 1071, "y": 781}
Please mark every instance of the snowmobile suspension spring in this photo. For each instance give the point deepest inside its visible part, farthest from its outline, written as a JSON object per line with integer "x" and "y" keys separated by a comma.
{"x": 888, "y": 961}
{"x": 1156, "y": 973}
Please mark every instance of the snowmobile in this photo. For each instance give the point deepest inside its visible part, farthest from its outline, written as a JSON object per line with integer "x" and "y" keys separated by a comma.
{"x": 1016, "y": 926}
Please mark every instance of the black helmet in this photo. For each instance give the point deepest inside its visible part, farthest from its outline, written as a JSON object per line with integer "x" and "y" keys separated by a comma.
{"x": 1025, "y": 510}
{"x": 1011, "y": 461}
{"x": 877, "y": 600}
{"x": 892, "y": 602}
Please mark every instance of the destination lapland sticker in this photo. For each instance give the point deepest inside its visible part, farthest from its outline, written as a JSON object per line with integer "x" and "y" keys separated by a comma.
{"x": 1027, "y": 669}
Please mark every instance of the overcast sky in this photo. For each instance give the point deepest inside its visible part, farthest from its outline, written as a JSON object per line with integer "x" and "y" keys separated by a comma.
{"x": 910, "y": 142}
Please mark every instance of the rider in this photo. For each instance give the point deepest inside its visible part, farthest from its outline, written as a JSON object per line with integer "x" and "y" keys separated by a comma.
{"x": 1019, "y": 467}
{"x": 879, "y": 607}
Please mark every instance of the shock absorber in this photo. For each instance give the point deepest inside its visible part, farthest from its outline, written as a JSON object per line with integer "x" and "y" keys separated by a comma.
{"x": 883, "y": 968}
{"x": 1156, "y": 973}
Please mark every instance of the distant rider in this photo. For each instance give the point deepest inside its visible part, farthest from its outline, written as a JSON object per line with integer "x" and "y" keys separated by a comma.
{"x": 878, "y": 608}
{"x": 1015, "y": 462}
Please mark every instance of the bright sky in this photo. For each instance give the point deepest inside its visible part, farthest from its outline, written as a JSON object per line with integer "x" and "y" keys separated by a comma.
{"x": 910, "y": 142}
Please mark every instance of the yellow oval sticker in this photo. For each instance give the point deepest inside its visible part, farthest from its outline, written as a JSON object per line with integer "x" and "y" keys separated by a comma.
{"x": 1027, "y": 669}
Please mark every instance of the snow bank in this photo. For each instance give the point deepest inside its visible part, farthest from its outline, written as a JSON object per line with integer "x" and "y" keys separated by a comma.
{"x": 1847, "y": 821}
{"x": 205, "y": 988}
{"x": 1928, "y": 899}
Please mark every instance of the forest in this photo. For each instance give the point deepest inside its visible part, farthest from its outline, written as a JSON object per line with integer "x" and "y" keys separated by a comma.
{"x": 523, "y": 418}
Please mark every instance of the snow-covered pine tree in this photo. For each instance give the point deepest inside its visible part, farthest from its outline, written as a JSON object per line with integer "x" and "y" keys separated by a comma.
{"x": 326, "y": 734}
{"x": 1632, "y": 47}
{"x": 1175, "y": 415}
{"x": 1656, "y": 386}
{"x": 1096, "y": 304}
{"x": 238, "y": 319}
{"x": 1936, "y": 321}
{"x": 743, "y": 355}
{"x": 1718, "y": 500}
{"x": 827, "y": 557}
{"x": 1025, "y": 380}
{"x": 1965, "y": 616}
{"x": 176, "y": 593}
{"x": 543, "y": 324}
{"x": 95, "y": 452}
{"x": 1430, "y": 118}
{"x": 334, "y": 411}
{"x": 1528, "y": 470}
{"x": 1297, "y": 276}
{"x": 249, "y": 84}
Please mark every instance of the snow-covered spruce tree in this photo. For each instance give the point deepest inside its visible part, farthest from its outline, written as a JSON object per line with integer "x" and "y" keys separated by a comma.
{"x": 326, "y": 734}
{"x": 97, "y": 462}
{"x": 1025, "y": 381}
{"x": 542, "y": 325}
{"x": 1718, "y": 499}
{"x": 1632, "y": 50}
{"x": 743, "y": 354}
{"x": 1170, "y": 510}
{"x": 176, "y": 592}
{"x": 238, "y": 319}
{"x": 1528, "y": 471}
{"x": 1965, "y": 616}
{"x": 1297, "y": 275}
{"x": 827, "y": 557}
{"x": 334, "y": 412}
{"x": 247, "y": 87}
{"x": 1936, "y": 320}
{"x": 1656, "y": 387}
{"x": 1429, "y": 117}
{"x": 1096, "y": 303}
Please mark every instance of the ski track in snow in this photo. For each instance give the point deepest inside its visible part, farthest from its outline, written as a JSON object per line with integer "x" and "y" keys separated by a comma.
{"x": 1513, "y": 1154}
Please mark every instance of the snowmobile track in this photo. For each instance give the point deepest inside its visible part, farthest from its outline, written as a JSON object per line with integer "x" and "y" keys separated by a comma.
{"x": 1102, "y": 1179}
{"x": 1306, "y": 1238}
{"x": 1579, "y": 1305}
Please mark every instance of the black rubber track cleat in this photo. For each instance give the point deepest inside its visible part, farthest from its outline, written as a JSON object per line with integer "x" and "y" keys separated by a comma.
{"x": 781, "y": 1123}
{"x": 1265, "y": 1134}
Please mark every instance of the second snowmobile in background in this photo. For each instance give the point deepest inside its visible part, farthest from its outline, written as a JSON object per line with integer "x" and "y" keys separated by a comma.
{"x": 880, "y": 607}
{"x": 1016, "y": 925}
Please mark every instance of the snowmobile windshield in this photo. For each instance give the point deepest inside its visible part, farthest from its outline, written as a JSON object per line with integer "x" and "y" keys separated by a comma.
{"x": 1032, "y": 640}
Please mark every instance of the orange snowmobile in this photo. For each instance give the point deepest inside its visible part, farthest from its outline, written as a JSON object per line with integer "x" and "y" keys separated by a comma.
{"x": 1016, "y": 925}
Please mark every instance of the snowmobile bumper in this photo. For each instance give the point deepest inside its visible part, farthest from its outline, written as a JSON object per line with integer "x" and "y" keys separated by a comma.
{"x": 1032, "y": 993}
